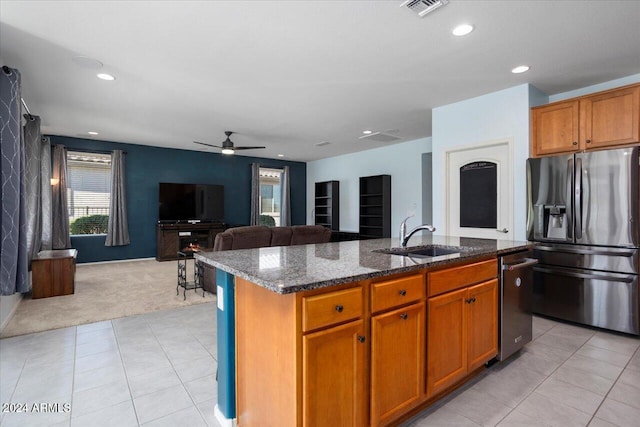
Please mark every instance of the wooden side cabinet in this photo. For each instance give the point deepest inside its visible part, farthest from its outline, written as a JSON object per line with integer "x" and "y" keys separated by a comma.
{"x": 53, "y": 273}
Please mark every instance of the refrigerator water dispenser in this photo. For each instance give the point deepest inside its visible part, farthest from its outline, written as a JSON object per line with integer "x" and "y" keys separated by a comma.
{"x": 555, "y": 219}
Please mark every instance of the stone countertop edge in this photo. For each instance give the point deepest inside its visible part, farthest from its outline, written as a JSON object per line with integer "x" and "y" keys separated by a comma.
{"x": 290, "y": 269}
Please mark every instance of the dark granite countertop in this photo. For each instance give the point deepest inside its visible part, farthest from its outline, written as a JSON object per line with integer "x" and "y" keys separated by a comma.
{"x": 287, "y": 269}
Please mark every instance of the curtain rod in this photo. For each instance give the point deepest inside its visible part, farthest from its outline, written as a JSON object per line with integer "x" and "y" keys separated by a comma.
{"x": 28, "y": 116}
{"x": 83, "y": 150}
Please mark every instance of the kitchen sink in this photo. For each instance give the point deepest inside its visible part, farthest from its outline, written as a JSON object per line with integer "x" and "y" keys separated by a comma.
{"x": 421, "y": 251}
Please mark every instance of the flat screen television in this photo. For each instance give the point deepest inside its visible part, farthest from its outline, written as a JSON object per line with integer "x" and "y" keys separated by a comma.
{"x": 190, "y": 202}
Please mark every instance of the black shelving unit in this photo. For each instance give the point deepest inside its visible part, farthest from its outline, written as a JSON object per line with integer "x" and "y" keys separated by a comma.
{"x": 327, "y": 204}
{"x": 375, "y": 207}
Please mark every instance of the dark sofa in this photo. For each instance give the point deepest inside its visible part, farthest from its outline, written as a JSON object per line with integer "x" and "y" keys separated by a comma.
{"x": 259, "y": 236}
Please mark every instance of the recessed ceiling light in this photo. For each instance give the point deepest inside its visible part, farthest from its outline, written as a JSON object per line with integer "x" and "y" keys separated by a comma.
{"x": 92, "y": 133}
{"x": 280, "y": 155}
{"x": 367, "y": 132}
{"x": 520, "y": 69}
{"x": 105, "y": 76}
{"x": 462, "y": 30}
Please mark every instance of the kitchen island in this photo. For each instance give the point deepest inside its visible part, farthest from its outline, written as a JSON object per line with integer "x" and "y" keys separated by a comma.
{"x": 338, "y": 334}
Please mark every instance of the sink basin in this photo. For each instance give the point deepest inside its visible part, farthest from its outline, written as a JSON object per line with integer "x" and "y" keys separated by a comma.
{"x": 420, "y": 251}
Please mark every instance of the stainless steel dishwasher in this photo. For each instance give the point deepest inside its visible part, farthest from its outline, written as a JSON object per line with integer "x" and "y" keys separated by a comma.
{"x": 516, "y": 298}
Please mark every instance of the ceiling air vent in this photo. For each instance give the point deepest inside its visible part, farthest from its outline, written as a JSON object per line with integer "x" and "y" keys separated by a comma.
{"x": 422, "y": 7}
{"x": 381, "y": 137}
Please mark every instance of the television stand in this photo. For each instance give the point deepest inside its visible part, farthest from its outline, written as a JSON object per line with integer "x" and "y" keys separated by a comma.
{"x": 172, "y": 238}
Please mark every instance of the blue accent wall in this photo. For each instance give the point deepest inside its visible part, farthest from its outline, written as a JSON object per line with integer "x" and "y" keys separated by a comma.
{"x": 147, "y": 166}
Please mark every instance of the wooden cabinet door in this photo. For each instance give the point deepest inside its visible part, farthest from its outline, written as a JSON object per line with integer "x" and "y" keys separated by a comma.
{"x": 397, "y": 362}
{"x": 333, "y": 377}
{"x": 612, "y": 118}
{"x": 482, "y": 323}
{"x": 168, "y": 244}
{"x": 447, "y": 341}
{"x": 554, "y": 128}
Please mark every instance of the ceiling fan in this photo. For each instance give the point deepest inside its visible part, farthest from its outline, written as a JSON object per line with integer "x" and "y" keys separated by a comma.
{"x": 227, "y": 145}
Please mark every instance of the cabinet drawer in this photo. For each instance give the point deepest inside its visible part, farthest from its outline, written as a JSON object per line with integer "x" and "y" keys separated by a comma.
{"x": 331, "y": 308}
{"x": 453, "y": 278}
{"x": 392, "y": 293}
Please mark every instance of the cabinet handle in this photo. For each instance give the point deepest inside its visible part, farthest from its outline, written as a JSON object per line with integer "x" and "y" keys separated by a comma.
{"x": 339, "y": 308}
{"x": 575, "y": 142}
{"x": 361, "y": 338}
{"x": 402, "y": 292}
{"x": 404, "y": 316}
{"x": 588, "y": 141}
{"x": 470, "y": 300}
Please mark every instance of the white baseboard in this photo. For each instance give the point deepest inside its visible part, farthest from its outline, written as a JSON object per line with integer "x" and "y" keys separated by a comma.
{"x": 8, "y": 317}
{"x": 224, "y": 421}
{"x": 116, "y": 260}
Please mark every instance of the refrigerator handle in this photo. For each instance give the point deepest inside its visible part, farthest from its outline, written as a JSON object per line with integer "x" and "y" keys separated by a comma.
{"x": 570, "y": 198}
{"x": 578, "y": 198}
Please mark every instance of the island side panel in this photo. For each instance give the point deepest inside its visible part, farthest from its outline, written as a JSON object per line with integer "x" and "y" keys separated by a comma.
{"x": 266, "y": 356}
{"x": 226, "y": 339}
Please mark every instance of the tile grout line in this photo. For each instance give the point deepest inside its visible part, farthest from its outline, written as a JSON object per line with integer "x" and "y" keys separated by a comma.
{"x": 182, "y": 382}
{"x": 637, "y": 352}
{"x": 550, "y": 374}
{"x": 124, "y": 368}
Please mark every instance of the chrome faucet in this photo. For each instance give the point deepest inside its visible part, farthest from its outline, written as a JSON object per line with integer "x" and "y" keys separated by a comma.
{"x": 404, "y": 236}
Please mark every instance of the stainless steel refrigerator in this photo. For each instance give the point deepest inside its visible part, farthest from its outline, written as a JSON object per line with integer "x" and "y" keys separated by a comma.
{"x": 584, "y": 210}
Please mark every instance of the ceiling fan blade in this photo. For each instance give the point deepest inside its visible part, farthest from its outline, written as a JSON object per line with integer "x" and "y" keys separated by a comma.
{"x": 247, "y": 148}
{"x": 208, "y": 145}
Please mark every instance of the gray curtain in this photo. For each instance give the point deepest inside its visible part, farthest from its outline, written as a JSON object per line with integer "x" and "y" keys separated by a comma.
{"x": 255, "y": 194}
{"x": 117, "y": 227}
{"x": 45, "y": 175}
{"x": 13, "y": 231}
{"x": 38, "y": 187}
{"x": 285, "y": 197}
{"x": 60, "y": 211}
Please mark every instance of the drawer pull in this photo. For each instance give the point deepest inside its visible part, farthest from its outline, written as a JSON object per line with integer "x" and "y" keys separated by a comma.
{"x": 361, "y": 338}
{"x": 339, "y": 308}
{"x": 404, "y": 316}
{"x": 402, "y": 292}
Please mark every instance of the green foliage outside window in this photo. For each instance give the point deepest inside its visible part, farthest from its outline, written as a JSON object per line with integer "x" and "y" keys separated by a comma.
{"x": 267, "y": 220}
{"x": 92, "y": 224}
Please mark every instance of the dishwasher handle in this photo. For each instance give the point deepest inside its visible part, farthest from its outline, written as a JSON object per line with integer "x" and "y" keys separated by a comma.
{"x": 525, "y": 263}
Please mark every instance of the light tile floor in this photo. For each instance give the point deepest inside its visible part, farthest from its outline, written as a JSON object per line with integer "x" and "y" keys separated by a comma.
{"x": 567, "y": 376}
{"x": 158, "y": 369}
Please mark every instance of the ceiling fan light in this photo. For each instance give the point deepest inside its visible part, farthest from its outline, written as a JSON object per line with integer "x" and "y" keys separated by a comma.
{"x": 227, "y": 151}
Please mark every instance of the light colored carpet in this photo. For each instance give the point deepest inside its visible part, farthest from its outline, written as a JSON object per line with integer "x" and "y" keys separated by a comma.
{"x": 107, "y": 291}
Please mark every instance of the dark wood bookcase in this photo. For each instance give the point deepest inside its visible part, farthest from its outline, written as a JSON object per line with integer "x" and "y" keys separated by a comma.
{"x": 327, "y": 204}
{"x": 375, "y": 207}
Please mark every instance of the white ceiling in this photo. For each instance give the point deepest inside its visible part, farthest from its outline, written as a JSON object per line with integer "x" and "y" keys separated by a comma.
{"x": 290, "y": 74}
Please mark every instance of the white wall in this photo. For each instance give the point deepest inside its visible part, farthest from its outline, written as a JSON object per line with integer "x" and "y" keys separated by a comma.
{"x": 402, "y": 161}
{"x": 596, "y": 88}
{"x": 496, "y": 116}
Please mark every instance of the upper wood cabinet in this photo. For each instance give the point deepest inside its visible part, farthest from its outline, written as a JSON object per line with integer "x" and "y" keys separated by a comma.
{"x": 555, "y": 128}
{"x": 611, "y": 118}
{"x": 605, "y": 119}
